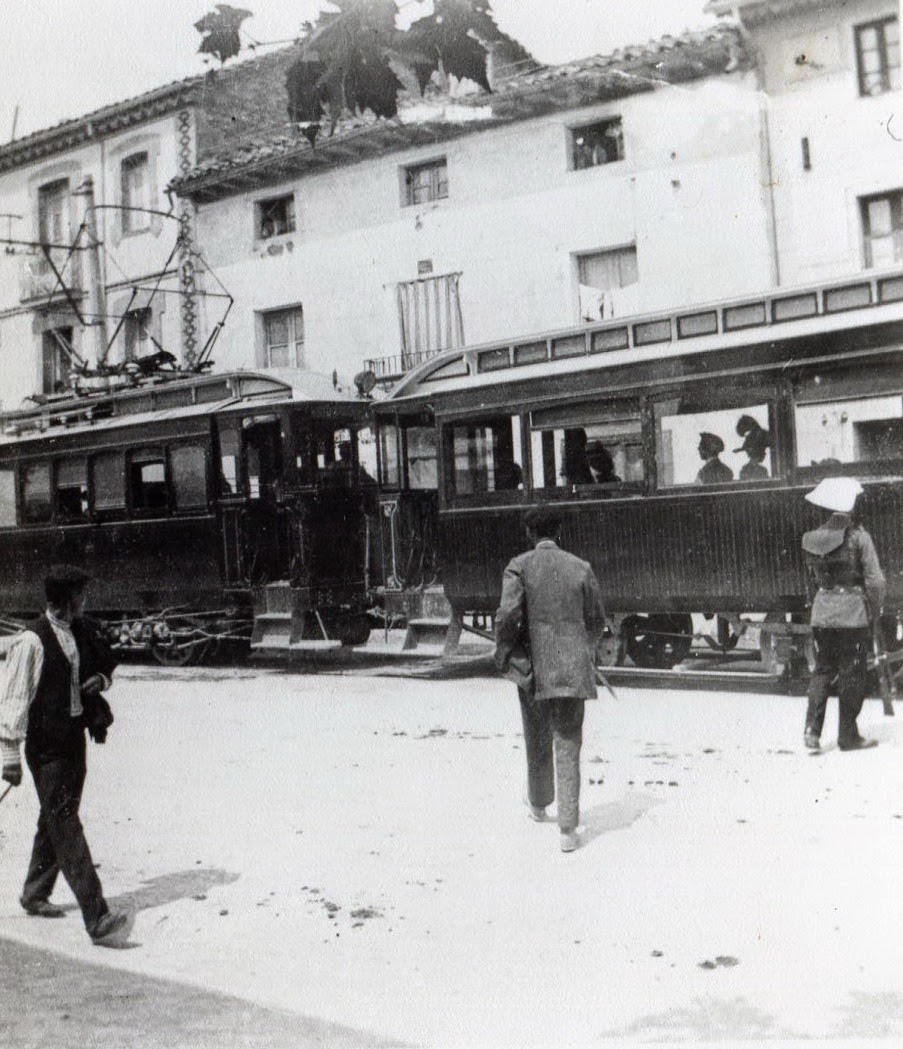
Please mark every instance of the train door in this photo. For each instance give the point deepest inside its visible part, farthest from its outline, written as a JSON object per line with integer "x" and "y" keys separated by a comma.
{"x": 409, "y": 485}
{"x": 254, "y": 520}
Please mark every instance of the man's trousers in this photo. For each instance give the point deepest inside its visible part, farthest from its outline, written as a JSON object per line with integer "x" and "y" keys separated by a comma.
{"x": 59, "y": 843}
{"x": 558, "y": 722}
{"x": 839, "y": 653}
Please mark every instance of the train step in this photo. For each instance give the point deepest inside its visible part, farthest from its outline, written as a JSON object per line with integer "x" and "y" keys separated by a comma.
{"x": 285, "y": 644}
{"x": 425, "y": 631}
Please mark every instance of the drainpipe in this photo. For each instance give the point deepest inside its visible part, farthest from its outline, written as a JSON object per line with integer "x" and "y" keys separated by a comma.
{"x": 765, "y": 163}
{"x": 97, "y": 299}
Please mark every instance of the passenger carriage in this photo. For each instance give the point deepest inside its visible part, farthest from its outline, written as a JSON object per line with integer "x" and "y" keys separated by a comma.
{"x": 191, "y": 499}
{"x": 605, "y": 421}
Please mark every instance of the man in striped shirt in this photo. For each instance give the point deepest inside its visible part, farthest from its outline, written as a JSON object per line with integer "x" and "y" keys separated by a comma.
{"x": 53, "y": 670}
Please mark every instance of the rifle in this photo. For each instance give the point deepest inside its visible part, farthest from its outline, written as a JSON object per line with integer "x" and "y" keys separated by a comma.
{"x": 887, "y": 686}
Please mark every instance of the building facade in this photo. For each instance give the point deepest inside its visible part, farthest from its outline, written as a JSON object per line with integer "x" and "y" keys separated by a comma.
{"x": 830, "y": 84}
{"x": 620, "y": 184}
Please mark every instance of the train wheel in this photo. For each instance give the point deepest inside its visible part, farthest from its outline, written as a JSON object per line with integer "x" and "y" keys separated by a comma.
{"x": 353, "y": 630}
{"x": 658, "y": 641}
{"x": 179, "y": 656}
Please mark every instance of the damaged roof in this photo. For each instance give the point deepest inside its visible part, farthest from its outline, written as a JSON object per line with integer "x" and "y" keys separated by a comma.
{"x": 572, "y": 85}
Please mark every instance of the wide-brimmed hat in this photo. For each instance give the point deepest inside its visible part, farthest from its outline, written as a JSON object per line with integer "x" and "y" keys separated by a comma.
{"x": 835, "y": 493}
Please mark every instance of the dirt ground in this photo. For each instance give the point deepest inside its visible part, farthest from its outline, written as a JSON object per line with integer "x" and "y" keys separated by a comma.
{"x": 344, "y": 859}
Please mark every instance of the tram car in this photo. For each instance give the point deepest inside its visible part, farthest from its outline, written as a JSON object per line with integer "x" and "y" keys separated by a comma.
{"x": 678, "y": 448}
{"x": 212, "y": 511}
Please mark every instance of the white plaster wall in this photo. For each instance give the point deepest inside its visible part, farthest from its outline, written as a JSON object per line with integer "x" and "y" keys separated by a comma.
{"x": 854, "y": 149}
{"x": 126, "y": 258}
{"x": 688, "y": 194}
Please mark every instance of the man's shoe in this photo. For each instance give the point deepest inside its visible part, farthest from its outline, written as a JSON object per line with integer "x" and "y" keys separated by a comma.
{"x": 537, "y": 813}
{"x": 812, "y": 741}
{"x": 857, "y": 744}
{"x": 569, "y": 840}
{"x": 41, "y": 908}
{"x": 104, "y": 932}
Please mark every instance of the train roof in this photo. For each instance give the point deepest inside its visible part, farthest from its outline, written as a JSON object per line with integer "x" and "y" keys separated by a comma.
{"x": 869, "y": 300}
{"x": 172, "y": 398}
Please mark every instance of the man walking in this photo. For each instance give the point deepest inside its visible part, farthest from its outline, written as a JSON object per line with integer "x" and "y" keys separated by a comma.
{"x": 551, "y": 602}
{"x": 55, "y": 670}
{"x": 847, "y": 588}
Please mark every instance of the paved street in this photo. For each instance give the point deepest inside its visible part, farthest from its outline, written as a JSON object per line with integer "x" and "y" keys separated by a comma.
{"x": 337, "y": 859}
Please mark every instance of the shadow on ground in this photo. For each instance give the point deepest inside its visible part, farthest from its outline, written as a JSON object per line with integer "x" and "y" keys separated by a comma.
{"x": 54, "y": 1001}
{"x": 616, "y": 815}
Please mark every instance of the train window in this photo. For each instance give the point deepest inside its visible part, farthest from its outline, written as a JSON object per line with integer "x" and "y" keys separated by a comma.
{"x": 366, "y": 456}
{"x": 587, "y": 444}
{"x": 334, "y": 456}
{"x": 108, "y": 477}
{"x": 147, "y": 479}
{"x": 228, "y": 461}
{"x": 72, "y": 489}
{"x": 7, "y": 498}
{"x": 487, "y": 456}
{"x": 188, "y": 469}
{"x": 698, "y": 443}
{"x": 421, "y": 455}
{"x": 858, "y": 430}
{"x": 389, "y": 473}
{"x": 36, "y": 506}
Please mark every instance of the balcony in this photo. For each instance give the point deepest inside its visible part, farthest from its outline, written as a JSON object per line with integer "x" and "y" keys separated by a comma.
{"x": 391, "y": 369}
{"x": 37, "y": 281}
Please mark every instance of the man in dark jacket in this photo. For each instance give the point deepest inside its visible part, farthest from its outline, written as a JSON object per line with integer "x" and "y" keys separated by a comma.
{"x": 847, "y": 588}
{"x": 552, "y": 605}
{"x": 54, "y": 675}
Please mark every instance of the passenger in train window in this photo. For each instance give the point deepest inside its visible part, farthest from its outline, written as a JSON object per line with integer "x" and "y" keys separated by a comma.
{"x": 601, "y": 463}
{"x": 756, "y": 442}
{"x": 508, "y": 475}
{"x": 576, "y": 465}
{"x": 847, "y": 589}
{"x": 714, "y": 471}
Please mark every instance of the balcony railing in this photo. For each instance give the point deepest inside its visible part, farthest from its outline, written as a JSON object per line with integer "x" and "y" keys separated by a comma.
{"x": 388, "y": 369}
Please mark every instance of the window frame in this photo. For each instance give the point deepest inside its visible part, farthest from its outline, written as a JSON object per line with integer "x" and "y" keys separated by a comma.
{"x": 879, "y": 25}
{"x": 121, "y": 509}
{"x": 135, "y": 221}
{"x": 596, "y": 489}
{"x": 894, "y": 198}
{"x": 859, "y": 468}
{"x": 752, "y": 396}
{"x": 58, "y": 514}
{"x": 290, "y": 219}
{"x": 132, "y": 460}
{"x": 574, "y": 130}
{"x": 25, "y": 520}
{"x": 294, "y": 346}
{"x": 435, "y": 168}
{"x": 55, "y": 189}
{"x": 449, "y": 495}
{"x": 170, "y": 473}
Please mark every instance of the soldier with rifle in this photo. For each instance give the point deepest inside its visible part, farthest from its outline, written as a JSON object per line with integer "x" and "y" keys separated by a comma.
{"x": 846, "y": 585}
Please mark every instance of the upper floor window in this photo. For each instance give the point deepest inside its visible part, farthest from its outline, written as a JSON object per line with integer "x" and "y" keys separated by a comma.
{"x": 429, "y": 316}
{"x": 135, "y": 185}
{"x": 275, "y": 217}
{"x": 595, "y": 144}
{"x": 56, "y": 359}
{"x": 882, "y": 229}
{"x": 53, "y": 212}
{"x": 600, "y": 275}
{"x": 878, "y": 56}
{"x": 284, "y": 338}
{"x": 136, "y": 330}
{"x": 426, "y": 182}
